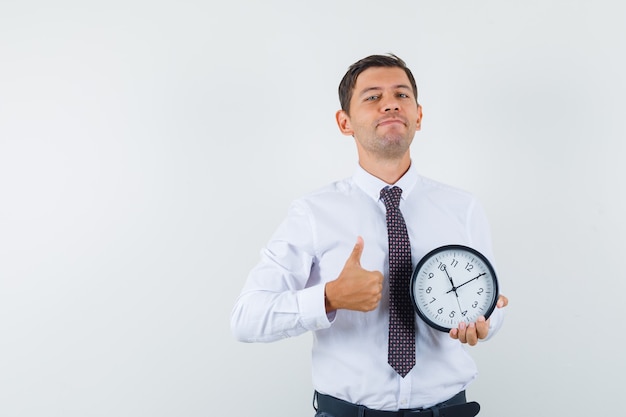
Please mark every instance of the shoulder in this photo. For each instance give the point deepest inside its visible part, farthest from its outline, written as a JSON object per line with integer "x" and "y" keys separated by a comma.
{"x": 428, "y": 185}
{"x": 335, "y": 191}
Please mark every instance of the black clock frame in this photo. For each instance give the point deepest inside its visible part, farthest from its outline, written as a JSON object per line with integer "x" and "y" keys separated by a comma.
{"x": 434, "y": 252}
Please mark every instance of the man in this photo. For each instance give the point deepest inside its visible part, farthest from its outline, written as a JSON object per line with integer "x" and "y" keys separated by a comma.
{"x": 327, "y": 267}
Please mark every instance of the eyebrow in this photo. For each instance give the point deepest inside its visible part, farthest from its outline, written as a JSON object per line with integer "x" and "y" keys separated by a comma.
{"x": 397, "y": 86}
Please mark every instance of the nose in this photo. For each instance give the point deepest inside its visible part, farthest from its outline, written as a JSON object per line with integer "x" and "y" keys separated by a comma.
{"x": 391, "y": 104}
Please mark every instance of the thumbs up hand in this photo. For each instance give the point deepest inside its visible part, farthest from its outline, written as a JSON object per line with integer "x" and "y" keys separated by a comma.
{"x": 355, "y": 288}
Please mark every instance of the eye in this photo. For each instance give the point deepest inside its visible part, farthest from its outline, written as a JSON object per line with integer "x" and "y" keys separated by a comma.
{"x": 371, "y": 98}
{"x": 403, "y": 95}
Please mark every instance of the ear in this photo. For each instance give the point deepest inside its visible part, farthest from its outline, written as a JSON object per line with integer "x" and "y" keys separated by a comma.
{"x": 419, "y": 118}
{"x": 343, "y": 121}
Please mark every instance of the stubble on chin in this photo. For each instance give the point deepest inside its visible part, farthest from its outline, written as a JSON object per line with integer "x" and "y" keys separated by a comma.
{"x": 392, "y": 146}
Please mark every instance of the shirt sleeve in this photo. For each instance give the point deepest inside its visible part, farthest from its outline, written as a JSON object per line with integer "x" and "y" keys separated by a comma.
{"x": 479, "y": 233}
{"x": 278, "y": 299}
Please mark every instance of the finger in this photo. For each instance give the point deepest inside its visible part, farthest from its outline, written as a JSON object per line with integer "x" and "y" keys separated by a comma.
{"x": 502, "y": 301}
{"x": 380, "y": 278}
{"x": 462, "y": 331}
{"x": 470, "y": 335}
{"x": 454, "y": 333}
{"x": 482, "y": 327}
{"x": 355, "y": 256}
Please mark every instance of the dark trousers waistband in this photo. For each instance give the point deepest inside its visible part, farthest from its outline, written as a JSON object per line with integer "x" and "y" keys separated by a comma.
{"x": 453, "y": 407}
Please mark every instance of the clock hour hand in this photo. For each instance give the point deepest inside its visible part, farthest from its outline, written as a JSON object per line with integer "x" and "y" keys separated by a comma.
{"x": 451, "y": 282}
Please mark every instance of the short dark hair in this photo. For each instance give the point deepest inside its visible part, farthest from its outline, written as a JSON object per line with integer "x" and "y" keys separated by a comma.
{"x": 346, "y": 86}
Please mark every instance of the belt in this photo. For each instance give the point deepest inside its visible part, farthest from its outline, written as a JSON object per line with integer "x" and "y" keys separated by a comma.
{"x": 454, "y": 407}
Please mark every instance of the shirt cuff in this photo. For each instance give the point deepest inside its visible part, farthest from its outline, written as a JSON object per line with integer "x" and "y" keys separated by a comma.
{"x": 313, "y": 309}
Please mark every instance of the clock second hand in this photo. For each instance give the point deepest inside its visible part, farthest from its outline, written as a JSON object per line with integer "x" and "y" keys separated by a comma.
{"x": 466, "y": 282}
{"x": 454, "y": 288}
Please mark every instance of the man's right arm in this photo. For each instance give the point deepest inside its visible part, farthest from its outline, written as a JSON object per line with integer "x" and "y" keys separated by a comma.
{"x": 278, "y": 299}
{"x": 281, "y": 300}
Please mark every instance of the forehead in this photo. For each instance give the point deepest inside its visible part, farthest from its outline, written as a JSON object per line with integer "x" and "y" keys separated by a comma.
{"x": 381, "y": 77}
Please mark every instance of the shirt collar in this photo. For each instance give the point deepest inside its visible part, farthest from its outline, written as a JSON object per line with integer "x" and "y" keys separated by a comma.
{"x": 372, "y": 185}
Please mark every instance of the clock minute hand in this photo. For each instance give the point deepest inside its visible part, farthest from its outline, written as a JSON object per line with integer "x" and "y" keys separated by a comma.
{"x": 468, "y": 281}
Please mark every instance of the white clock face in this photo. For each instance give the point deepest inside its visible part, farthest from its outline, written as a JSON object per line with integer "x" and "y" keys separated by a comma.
{"x": 453, "y": 284}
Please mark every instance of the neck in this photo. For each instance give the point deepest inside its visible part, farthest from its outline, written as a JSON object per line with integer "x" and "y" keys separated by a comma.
{"x": 388, "y": 170}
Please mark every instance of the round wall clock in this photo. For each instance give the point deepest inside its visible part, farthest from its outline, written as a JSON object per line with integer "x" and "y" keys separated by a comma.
{"x": 453, "y": 284}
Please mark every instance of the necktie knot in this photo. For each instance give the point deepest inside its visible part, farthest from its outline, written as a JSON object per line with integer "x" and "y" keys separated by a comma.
{"x": 391, "y": 197}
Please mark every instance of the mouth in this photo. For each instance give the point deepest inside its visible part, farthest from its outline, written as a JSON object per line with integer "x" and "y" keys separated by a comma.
{"x": 390, "y": 121}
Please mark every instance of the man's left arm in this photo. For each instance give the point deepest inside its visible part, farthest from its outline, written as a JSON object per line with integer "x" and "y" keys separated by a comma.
{"x": 479, "y": 236}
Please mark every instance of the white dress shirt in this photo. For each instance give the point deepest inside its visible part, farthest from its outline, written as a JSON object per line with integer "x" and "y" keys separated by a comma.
{"x": 284, "y": 294}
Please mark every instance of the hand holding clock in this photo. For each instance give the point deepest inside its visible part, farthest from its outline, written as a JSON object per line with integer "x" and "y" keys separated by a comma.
{"x": 471, "y": 333}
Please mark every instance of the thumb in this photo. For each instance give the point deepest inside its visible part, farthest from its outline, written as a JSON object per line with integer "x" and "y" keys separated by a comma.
{"x": 355, "y": 256}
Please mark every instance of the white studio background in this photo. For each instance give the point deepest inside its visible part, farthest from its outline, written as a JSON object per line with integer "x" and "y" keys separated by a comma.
{"x": 148, "y": 149}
